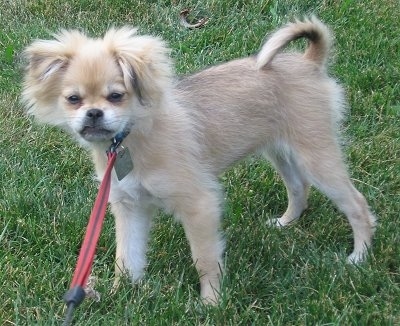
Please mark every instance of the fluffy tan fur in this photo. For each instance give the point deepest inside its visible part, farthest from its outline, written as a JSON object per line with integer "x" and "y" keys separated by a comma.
{"x": 185, "y": 132}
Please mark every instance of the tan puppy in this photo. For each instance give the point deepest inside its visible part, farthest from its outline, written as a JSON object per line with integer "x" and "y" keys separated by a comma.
{"x": 184, "y": 133}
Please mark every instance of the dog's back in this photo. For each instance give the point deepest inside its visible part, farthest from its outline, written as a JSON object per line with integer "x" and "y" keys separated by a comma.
{"x": 276, "y": 95}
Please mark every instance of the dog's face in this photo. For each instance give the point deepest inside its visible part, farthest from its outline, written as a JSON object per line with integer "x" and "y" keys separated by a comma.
{"x": 94, "y": 98}
{"x": 96, "y": 88}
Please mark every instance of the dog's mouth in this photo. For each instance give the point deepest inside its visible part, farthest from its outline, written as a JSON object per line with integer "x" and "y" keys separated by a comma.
{"x": 95, "y": 134}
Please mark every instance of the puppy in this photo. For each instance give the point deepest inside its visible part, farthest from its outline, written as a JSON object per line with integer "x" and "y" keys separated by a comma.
{"x": 185, "y": 132}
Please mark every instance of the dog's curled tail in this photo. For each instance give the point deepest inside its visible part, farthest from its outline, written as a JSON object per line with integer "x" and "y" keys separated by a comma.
{"x": 315, "y": 31}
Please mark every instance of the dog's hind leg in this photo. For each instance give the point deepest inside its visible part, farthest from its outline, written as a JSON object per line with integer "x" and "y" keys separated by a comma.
{"x": 296, "y": 183}
{"x": 325, "y": 169}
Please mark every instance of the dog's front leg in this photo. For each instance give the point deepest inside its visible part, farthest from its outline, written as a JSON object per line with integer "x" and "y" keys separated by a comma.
{"x": 132, "y": 225}
{"x": 200, "y": 216}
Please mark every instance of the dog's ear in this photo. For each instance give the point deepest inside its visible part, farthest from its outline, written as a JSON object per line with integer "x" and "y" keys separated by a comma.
{"x": 47, "y": 60}
{"x": 144, "y": 61}
{"x": 47, "y": 57}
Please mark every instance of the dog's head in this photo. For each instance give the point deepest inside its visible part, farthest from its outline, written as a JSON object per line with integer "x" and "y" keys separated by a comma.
{"x": 96, "y": 87}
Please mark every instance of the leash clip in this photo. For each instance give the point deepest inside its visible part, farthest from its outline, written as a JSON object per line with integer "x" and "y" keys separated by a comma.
{"x": 116, "y": 141}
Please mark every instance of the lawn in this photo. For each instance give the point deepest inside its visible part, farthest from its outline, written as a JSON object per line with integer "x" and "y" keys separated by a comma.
{"x": 293, "y": 276}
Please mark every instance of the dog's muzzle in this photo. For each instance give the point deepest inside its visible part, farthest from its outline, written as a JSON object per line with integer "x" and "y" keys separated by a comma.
{"x": 93, "y": 128}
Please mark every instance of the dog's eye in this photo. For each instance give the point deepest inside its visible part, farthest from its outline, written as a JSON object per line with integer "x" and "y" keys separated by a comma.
{"x": 115, "y": 97}
{"x": 73, "y": 99}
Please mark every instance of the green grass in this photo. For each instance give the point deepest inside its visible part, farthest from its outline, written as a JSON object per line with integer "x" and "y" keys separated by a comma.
{"x": 294, "y": 276}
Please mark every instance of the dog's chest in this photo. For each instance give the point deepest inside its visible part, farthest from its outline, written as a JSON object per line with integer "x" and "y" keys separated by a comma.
{"x": 127, "y": 188}
{"x": 131, "y": 189}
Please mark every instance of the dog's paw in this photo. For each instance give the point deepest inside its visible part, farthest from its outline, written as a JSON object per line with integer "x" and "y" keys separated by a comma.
{"x": 280, "y": 222}
{"x": 274, "y": 222}
{"x": 357, "y": 257}
{"x": 116, "y": 285}
{"x": 210, "y": 294}
{"x": 211, "y": 299}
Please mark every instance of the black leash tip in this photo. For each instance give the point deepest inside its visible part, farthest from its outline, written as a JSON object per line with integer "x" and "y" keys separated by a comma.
{"x": 73, "y": 299}
{"x": 69, "y": 314}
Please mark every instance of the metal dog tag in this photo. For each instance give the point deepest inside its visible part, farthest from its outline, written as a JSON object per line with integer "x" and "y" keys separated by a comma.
{"x": 123, "y": 163}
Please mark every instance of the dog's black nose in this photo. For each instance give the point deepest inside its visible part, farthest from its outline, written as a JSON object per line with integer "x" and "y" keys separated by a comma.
{"x": 94, "y": 114}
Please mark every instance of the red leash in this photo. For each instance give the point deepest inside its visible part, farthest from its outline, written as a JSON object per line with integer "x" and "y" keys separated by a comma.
{"x": 76, "y": 293}
{"x": 86, "y": 255}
